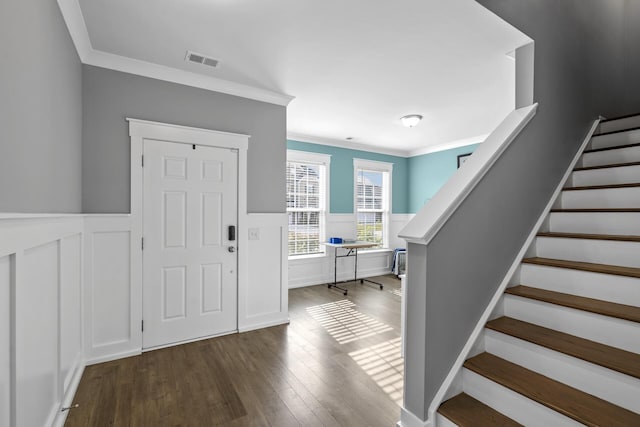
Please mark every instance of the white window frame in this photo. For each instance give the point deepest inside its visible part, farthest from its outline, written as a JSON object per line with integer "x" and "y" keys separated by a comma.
{"x": 375, "y": 166}
{"x": 322, "y": 160}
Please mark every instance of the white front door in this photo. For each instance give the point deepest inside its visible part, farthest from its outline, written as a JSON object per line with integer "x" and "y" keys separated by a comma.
{"x": 189, "y": 258}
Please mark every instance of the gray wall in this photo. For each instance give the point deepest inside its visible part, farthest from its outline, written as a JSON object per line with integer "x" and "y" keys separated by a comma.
{"x": 631, "y": 58}
{"x": 468, "y": 258}
{"x": 111, "y": 96}
{"x": 40, "y": 110}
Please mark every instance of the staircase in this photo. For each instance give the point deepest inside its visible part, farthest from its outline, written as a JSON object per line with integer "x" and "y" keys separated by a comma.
{"x": 563, "y": 348}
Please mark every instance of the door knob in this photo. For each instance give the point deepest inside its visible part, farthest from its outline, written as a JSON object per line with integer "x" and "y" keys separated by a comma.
{"x": 231, "y": 249}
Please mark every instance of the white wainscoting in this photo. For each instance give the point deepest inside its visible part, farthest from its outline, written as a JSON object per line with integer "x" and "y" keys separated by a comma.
{"x": 315, "y": 270}
{"x": 265, "y": 301}
{"x": 71, "y": 295}
{"x": 113, "y": 289}
{"x": 41, "y": 359}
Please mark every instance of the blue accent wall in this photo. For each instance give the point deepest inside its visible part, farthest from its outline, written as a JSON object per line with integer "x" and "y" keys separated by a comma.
{"x": 341, "y": 175}
{"x": 429, "y": 172}
{"x": 415, "y": 179}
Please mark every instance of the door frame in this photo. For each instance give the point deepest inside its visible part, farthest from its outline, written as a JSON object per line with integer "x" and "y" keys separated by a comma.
{"x": 139, "y": 130}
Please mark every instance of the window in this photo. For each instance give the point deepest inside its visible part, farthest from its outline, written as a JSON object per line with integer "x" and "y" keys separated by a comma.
{"x": 307, "y": 178}
{"x": 372, "y": 200}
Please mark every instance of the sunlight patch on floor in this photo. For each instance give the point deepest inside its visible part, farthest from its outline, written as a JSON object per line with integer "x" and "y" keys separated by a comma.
{"x": 395, "y": 291}
{"x": 344, "y": 323}
{"x": 383, "y": 363}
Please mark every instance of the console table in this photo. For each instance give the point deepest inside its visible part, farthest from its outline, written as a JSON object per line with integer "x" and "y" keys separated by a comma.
{"x": 352, "y": 251}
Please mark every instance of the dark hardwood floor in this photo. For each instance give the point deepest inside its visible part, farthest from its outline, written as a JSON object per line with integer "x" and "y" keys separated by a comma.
{"x": 337, "y": 364}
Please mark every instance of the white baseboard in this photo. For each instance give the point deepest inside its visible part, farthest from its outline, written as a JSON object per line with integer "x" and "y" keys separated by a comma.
{"x": 70, "y": 394}
{"x": 408, "y": 419}
{"x": 115, "y": 356}
{"x": 342, "y": 277}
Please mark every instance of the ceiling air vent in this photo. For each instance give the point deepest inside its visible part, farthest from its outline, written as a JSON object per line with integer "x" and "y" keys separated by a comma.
{"x": 201, "y": 59}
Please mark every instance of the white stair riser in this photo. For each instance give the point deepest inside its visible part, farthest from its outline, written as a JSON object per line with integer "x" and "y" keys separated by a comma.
{"x": 603, "y": 198}
{"x": 606, "y": 287}
{"x": 617, "y": 388}
{"x": 627, "y": 223}
{"x": 623, "y": 155}
{"x": 619, "y": 175}
{"x": 586, "y": 250}
{"x": 619, "y": 124}
{"x": 512, "y": 404}
{"x": 606, "y": 330}
{"x": 442, "y": 421}
{"x": 614, "y": 139}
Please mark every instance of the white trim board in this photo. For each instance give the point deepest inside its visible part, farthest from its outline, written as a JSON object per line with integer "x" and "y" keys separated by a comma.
{"x": 72, "y": 15}
{"x": 449, "y": 145}
{"x": 349, "y": 145}
{"x": 356, "y": 146}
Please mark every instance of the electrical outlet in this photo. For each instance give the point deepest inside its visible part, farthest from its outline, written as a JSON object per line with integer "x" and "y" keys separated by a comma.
{"x": 254, "y": 234}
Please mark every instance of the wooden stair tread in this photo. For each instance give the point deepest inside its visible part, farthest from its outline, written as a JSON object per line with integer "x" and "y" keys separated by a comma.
{"x": 464, "y": 411}
{"x": 614, "y": 237}
{"x": 617, "y": 131}
{"x": 609, "y": 357}
{"x": 571, "y": 402}
{"x": 585, "y": 266}
{"x": 616, "y": 147}
{"x": 597, "y": 210}
{"x": 626, "y": 116}
{"x": 605, "y": 308}
{"x": 612, "y": 165}
{"x": 601, "y": 187}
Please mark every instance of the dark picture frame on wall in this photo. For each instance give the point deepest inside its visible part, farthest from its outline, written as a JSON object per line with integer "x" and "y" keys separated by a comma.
{"x": 462, "y": 158}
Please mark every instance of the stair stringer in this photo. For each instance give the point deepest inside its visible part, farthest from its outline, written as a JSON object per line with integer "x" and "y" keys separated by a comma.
{"x": 452, "y": 385}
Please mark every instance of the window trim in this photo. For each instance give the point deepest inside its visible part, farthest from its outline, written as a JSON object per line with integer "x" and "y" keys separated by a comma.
{"x": 376, "y": 166}
{"x": 322, "y": 160}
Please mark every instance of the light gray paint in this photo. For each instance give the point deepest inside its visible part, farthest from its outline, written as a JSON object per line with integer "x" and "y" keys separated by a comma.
{"x": 40, "y": 110}
{"x": 631, "y": 58}
{"x": 416, "y": 340}
{"x": 524, "y": 75}
{"x": 111, "y": 96}
{"x": 468, "y": 258}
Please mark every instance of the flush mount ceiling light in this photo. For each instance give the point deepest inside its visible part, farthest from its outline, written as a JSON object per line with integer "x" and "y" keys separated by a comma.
{"x": 411, "y": 120}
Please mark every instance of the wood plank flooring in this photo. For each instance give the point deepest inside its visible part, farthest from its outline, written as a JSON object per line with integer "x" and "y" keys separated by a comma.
{"x": 337, "y": 364}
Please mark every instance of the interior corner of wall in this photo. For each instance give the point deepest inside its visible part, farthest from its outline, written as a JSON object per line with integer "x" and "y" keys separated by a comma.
{"x": 525, "y": 65}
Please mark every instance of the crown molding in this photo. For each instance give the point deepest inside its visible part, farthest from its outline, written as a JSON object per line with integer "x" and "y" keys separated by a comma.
{"x": 186, "y": 78}
{"x": 72, "y": 15}
{"x": 300, "y": 137}
{"x": 448, "y": 145}
{"x": 388, "y": 151}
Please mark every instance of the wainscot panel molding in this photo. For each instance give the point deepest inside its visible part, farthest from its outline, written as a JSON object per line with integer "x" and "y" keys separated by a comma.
{"x": 71, "y": 296}
{"x": 113, "y": 289}
{"x": 265, "y": 300}
{"x": 41, "y": 359}
{"x": 316, "y": 270}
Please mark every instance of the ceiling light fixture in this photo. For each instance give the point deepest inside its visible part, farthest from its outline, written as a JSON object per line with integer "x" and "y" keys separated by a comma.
{"x": 411, "y": 120}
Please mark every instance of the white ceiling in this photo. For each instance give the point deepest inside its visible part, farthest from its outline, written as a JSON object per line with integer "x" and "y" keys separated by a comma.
{"x": 354, "y": 67}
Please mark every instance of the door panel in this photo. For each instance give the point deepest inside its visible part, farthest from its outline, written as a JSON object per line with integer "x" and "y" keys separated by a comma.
{"x": 190, "y": 278}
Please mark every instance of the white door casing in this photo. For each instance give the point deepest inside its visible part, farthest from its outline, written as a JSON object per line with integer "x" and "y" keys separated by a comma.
{"x": 141, "y": 131}
{"x": 189, "y": 259}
